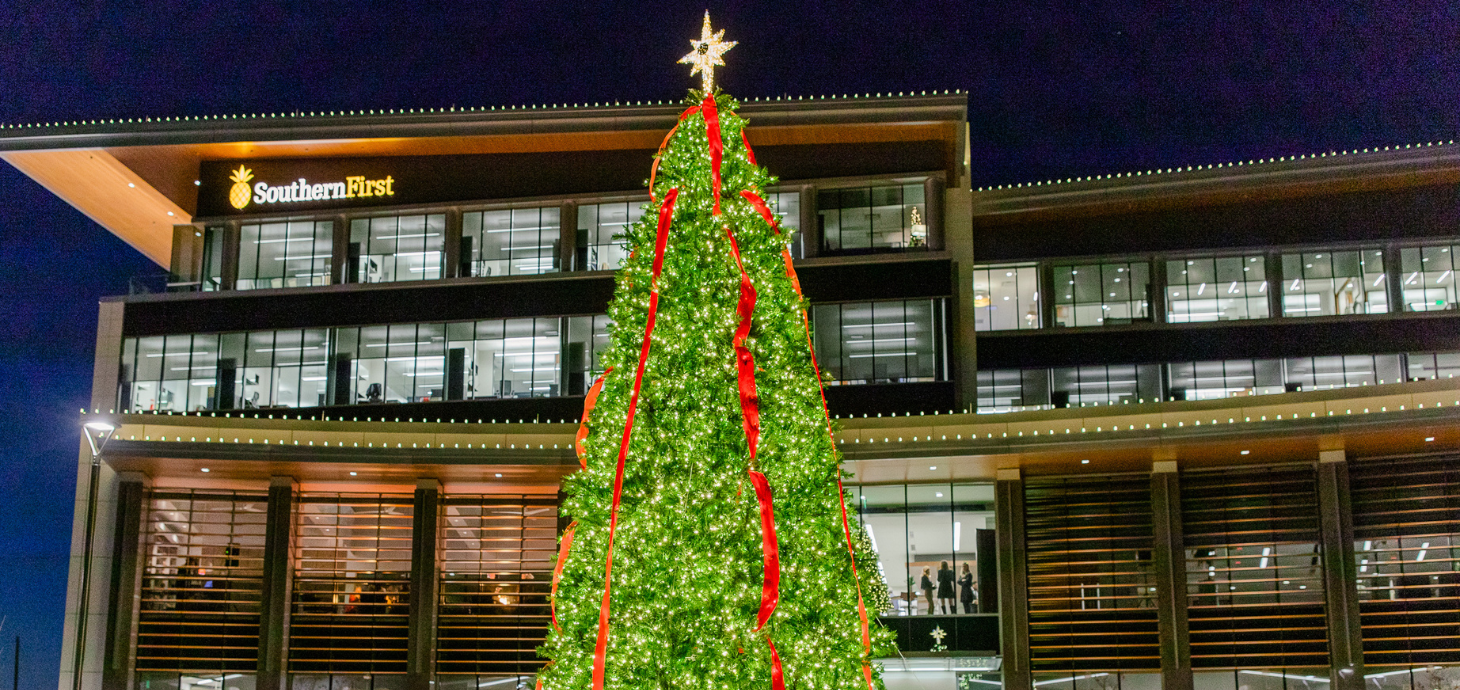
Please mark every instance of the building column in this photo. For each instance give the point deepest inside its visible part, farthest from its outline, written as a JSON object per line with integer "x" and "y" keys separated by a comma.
{"x": 273, "y": 668}
{"x": 1013, "y": 580}
{"x": 421, "y": 641}
{"x": 810, "y": 223}
{"x": 453, "y": 259}
{"x": 1169, "y": 559}
{"x": 956, "y": 235}
{"x": 1394, "y": 283}
{"x": 1274, "y": 266}
{"x": 232, "y": 237}
{"x": 934, "y": 216}
{"x": 124, "y": 598}
{"x": 568, "y": 237}
{"x": 1340, "y": 575}
{"x": 1156, "y": 289}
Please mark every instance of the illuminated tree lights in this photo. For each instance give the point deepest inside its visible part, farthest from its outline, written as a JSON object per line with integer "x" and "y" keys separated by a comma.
{"x": 689, "y": 549}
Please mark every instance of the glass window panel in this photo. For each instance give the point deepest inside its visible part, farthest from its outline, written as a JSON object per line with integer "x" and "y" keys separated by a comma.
{"x": 873, "y": 218}
{"x": 1225, "y": 288}
{"x": 880, "y": 342}
{"x": 787, "y": 207}
{"x": 1427, "y": 276}
{"x": 1105, "y": 294}
{"x": 1334, "y": 283}
{"x": 930, "y": 526}
{"x": 520, "y": 241}
{"x": 1006, "y": 298}
{"x": 282, "y": 254}
{"x": 1099, "y": 384}
{"x": 602, "y": 234}
{"x": 397, "y": 248}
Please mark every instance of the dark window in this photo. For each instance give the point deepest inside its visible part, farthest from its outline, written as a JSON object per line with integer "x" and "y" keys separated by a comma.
{"x": 880, "y": 342}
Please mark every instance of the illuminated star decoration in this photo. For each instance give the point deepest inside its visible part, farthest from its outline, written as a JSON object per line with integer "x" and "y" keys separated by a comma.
{"x": 706, "y": 53}
{"x": 938, "y": 636}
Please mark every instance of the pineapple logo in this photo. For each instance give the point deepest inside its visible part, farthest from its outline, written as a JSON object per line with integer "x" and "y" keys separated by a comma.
{"x": 239, "y": 194}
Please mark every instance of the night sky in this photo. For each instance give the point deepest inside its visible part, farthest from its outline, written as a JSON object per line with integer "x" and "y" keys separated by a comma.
{"x": 1053, "y": 92}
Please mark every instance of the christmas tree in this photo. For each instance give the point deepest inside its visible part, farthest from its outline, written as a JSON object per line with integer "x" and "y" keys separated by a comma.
{"x": 710, "y": 545}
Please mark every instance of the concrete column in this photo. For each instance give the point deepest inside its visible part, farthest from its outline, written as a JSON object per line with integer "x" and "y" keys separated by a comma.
{"x": 273, "y": 669}
{"x": 568, "y": 234}
{"x": 1169, "y": 559}
{"x": 421, "y": 641}
{"x": 1394, "y": 281}
{"x": 125, "y": 596}
{"x": 810, "y": 223}
{"x": 1157, "y": 290}
{"x": 937, "y": 229}
{"x": 1340, "y": 575}
{"x": 451, "y": 257}
{"x": 957, "y": 236}
{"x": 1013, "y": 580}
{"x": 340, "y": 252}
{"x": 1274, "y": 262}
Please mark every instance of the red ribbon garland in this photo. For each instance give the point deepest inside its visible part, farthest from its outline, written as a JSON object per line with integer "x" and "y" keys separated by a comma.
{"x": 749, "y": 155}
{"x": 717, "y": 147}
{"x": 589, "y": 401}
{"x": 770, "y": 594}
{"x": 760, "y": 206}
{"x": 666, "y": 214}
{"x": 558, "y": 569}
{"x": 744, "y": 360}
{"x": 653, "y": 171}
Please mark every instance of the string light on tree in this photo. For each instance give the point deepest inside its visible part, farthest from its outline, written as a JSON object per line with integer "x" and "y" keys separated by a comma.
{"x": 710, "y": 544}
{"x": 706, "y": 54}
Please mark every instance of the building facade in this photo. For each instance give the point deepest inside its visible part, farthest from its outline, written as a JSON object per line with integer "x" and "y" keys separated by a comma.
{"x": 1173, "y": 429}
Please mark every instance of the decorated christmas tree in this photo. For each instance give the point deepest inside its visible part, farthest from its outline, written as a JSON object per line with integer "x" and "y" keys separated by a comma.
{"x": 710, "y": 544}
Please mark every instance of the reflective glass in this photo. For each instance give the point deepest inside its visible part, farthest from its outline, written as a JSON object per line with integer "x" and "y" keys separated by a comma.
{"x": 1226, "y": 288}
{"x": 283, "y": 254}
{"x": 1334, "y": 283}
{"x": 1107, "y": 294}
{"x": 520, "y": 241}
{"x": 602, "y": 234}
{"x": 866, "y": 218}
{"x": 1006, "y": 298}
{"x": 1428, "y": 277}
{"x": 397, "y": 248}
{"x": 879, "y": 342}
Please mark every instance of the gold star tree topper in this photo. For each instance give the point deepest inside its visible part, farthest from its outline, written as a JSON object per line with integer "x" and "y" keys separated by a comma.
{"x": 707, "y": 53}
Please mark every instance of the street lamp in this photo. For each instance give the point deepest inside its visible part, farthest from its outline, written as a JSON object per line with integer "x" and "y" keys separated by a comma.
{"x": 97, "y": 432}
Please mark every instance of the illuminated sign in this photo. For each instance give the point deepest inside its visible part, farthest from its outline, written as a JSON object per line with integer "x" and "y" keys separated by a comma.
{"x": 302, "y": 190}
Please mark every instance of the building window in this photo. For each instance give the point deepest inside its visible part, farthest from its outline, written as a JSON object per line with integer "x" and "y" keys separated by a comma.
{"x": 1433, "y": 365}
{"x": 1225, "y": 378}
{"x": 1105, "y": 384}
{"x": 1344, "y": 371}
{"x": 586, "y": 343}
{"x": 1006, "y": 298}
{"x": 519, "y": 241}
{"x": 871, "y": 218}
{"x": 352, "y": 581}
{"x": 926, "y": 526}
{"x": 285, "y": 254}
{"x": 787, "y": 205}
{"x": 1334, "y": 283}
{"x": 1012, "y": 390}
{"x": 173, "y": 373}
{"x": 1225, "y": 288}
{"x": 212, "y": 275}
{"x": 1107, "y": 294}
{"x": 880, "y": 342}
{"x": 1429, "y": 277}
{"x": 603, "y": 234}
{"x": 397, "y": 248}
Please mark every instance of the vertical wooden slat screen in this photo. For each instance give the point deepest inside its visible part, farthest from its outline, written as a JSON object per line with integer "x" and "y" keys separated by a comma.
{"x": 497, "y": 555}
{"x": 201, "y": 580}
{"x": 352, "y": 568}
{"x": 1254, "y": 572}
{"x": 1406, "y": 528}
{"x": 1092, "y": 599}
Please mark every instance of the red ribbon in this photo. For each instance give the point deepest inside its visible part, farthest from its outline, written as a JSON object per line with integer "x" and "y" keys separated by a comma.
{"x": 744, "y": 360}
{"x": 759, "y": 205}
{"x": 558, "y": 570}
{"x": 717, "y": 147}
{"x": 588, "y": 402}
{"x": 770, "y": 593}
{"x": 749, "y": 155}
{"x": 778, "y": 678}
{"x": 666, "y": 213}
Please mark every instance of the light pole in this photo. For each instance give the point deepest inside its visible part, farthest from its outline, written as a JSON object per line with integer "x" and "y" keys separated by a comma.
{"x": 97, "y": 432}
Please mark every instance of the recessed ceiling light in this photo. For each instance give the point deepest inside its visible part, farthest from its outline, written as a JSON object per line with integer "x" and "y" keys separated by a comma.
{"x": 934, "y": 467}
{"x": 499, "y": 474}
{"x": 1084, "y": 462}
{"x": 1429, "y": 439}
{"x": 206, "y": 469}
{"x": 131, "y": 184}
{"x": 198, "y": 182}
{"x": 353, "y": 474}
{"x": 938, "y": 494}
{"x": 1246, "y": 452}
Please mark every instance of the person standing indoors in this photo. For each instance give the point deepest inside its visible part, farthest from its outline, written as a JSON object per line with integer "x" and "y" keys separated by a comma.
{"x": 927, "y": 587}
{"x": 945, "y": 588}
{"x": 965, "y": 589}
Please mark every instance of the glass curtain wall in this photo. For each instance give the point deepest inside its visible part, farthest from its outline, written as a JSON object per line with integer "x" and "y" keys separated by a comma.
{"x": 869, "y": 218}
{"x": 1428, "y": 275}
{"x": 1101, "y": 294}
{"x": 1433, "y": 365}
{"x": 1226, "y": 288}
{"x": 1334, "y": 283}
{"x": 397, "y": 248}
{"x": 1013, "y": 390}
{"x": 880, "y": 342}
{"x": 202, "y": 581}
{"x": 1225, "y": 378}
{"x": 925, "y": 527}
{"x": 280, "y": 254}
{"x": 587, "y": 341}
{"x": 602, "y": 234}
{"x": 519, "y": 241}
{"x": 212, "y": 275}
{"x": 1101, "y": 384}
{"x": 787, "y": 206}
{"x": 496, "y": 568}
{"x": 1006, "y": 298}
{"x": 352, "y": 574}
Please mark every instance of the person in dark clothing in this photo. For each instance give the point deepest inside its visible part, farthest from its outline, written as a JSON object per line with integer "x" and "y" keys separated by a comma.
{"x": 927, "y": 587}
{"x": 945, "y": 588}
{"x": 965, "y": 589}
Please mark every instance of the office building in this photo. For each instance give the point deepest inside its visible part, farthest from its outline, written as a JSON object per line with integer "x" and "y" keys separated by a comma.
{"x": 1185, "y": 428}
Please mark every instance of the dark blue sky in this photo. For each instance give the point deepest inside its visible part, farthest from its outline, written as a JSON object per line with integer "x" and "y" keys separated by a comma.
{"x": 1054, "y": 91}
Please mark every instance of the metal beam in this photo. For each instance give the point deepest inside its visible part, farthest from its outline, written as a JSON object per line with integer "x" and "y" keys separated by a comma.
{"x": 1169, "y": 558}
{"x": 1340, "y": 575}
{"x": 273, "y": 668}
{"x": 1013, "y": 580}
{"x": 421, "y": 638}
